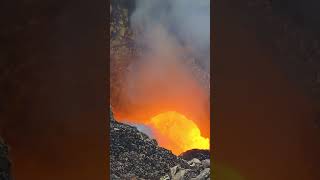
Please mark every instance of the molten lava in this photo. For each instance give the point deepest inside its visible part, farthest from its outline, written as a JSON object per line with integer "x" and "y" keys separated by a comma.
{"x": 177, "y": 133}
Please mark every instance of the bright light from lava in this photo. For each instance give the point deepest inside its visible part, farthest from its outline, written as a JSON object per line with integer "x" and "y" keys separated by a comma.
{"x": 177, "y": 133}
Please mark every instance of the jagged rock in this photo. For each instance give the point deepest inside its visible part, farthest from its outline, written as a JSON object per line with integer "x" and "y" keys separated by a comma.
{"x": 205, "y": 174}
{"x": 199, "y": 166}
{"x": 197, "y": 170}
{"x": 200, "y": 154}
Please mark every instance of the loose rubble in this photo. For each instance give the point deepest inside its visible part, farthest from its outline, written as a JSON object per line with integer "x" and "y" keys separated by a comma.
{"x": 133, "y": 155}
{"x": 198, "y": 170}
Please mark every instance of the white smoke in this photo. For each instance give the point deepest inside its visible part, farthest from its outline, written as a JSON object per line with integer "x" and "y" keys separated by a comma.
{"x": 184, "y": 22}
{"x": 159, "y": 79}
{"x": 141, "y": 127}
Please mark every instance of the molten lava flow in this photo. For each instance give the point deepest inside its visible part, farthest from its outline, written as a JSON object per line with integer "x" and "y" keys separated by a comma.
{"x": 177, "y": 133}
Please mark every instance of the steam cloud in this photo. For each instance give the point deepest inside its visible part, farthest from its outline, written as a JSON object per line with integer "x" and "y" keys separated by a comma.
{"x": 180, "y": 23}
{"x": 170, "y": 31}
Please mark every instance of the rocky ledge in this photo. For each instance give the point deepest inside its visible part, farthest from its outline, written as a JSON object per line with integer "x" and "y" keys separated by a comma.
{"x": 133, "y": 155}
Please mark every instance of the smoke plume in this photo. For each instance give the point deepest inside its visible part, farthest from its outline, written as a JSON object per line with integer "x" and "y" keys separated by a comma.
{"x": 183, "y": 23}
{"x": 170, "y": 32}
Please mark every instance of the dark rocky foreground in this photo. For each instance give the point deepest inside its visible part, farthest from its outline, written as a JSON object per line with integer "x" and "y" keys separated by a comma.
{"x": 200, "y": 154}
{"x": 4, "y": 162}
{"x": 133, "y": 155}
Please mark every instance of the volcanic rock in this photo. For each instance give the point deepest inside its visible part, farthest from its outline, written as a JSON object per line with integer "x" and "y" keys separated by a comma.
{"x": 199, "y": 166}
{"x": 198, "y": 170}
{"x": 133, "y": 155}
{"x": 199, "y": 154}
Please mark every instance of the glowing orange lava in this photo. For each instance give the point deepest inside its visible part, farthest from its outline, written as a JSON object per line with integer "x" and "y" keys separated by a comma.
{"x": 177, "y": 133}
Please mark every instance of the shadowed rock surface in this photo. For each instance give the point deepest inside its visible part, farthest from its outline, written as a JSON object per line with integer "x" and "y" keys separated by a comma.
{"x": 200, "y": 154}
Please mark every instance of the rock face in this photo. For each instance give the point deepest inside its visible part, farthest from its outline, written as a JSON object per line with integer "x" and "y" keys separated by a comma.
{"x": 4, "y": 162}
{"x": 199, "y": 166}
{"x": 133, "y": 155}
